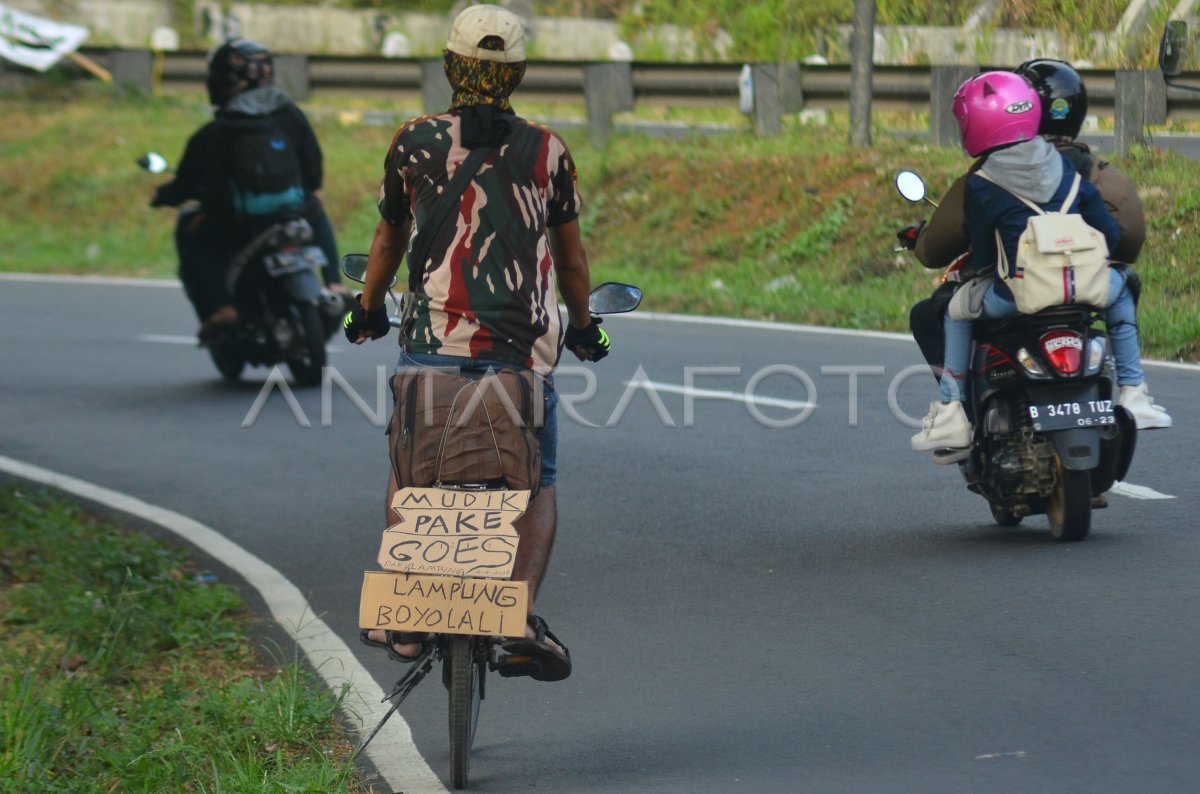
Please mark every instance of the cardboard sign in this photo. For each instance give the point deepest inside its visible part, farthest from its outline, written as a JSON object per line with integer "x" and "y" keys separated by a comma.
{"x": 453, "y": 533}
{"x": 442, "y": 605}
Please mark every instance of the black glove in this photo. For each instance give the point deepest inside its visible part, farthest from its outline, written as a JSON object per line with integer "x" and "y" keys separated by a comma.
{"x": 360, "y": 321}
{"x": 592, "y": 340}
{"x": 908, "y": 235}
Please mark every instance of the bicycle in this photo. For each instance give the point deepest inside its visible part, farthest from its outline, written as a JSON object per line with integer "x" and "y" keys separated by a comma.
{"x": 466, "y": 655}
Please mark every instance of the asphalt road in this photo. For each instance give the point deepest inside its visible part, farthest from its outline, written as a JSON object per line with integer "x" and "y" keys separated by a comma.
{"x": 812, "y": 608}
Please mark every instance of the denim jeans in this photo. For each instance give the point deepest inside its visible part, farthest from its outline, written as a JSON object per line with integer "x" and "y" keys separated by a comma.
{"x": 1120, "y": 316}
{"x": 547, "y": 439}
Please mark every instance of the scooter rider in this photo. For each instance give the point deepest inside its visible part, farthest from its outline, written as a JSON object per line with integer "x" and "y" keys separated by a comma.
{"x": 487, "y": 293}
{"x": 944, "y": 238}
{"x": 248, "y": 108}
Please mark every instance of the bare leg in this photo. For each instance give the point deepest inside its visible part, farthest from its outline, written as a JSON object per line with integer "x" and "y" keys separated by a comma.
{"x": 536, "y": 528}
{"x": 411, "y": 648}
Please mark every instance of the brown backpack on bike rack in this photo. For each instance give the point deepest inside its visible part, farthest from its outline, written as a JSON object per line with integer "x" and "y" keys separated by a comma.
{"x": 454, "y": 429}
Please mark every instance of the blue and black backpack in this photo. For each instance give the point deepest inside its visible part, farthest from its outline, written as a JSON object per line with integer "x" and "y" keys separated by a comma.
{"x": 264, "y": 170}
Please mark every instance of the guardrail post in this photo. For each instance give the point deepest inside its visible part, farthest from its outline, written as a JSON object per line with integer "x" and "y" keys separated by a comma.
{"x": 768, "y": 99}
{"x": 1129, "y": 111}
{"x": 291, "y": 75}
{"x": 607, "y": 89}
{"x": 1156, "y": 98}
{"x": 943, "y": 83}
{"x": 435, "y": 88}
{"x": 132, "y": 71}
{"x": 791, "y": 87}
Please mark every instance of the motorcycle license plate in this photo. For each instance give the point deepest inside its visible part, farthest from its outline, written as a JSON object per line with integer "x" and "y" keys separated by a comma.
{"x": 1072, "y": 413}
{"x": 294, "y": 260}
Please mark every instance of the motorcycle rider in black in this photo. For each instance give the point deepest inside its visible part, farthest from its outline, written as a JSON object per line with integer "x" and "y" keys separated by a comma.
{"x": 220, "y": 161}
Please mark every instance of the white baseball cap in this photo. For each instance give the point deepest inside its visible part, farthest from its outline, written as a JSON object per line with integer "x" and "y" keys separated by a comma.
{"x": 476, "y": 23}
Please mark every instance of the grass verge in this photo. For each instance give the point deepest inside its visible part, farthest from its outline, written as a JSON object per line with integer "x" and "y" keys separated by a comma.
{"x": 121, "y": 670}
{"x": 796, "y": 228}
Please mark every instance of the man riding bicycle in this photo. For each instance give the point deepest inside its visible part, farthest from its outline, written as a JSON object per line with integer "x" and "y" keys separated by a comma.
{"x": 485, "y": 294}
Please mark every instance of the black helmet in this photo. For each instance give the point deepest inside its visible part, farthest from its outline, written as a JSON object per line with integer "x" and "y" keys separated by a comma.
{"x": 1064, "y": 99}
{"x": 235, "y": 66}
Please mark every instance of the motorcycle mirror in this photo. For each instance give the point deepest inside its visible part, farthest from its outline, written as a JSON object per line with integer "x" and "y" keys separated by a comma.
{"x": 1172, "y": 48}
{"x": 614, "y": 298}
{"x": 910, "y": 185}
{"x": 153, "y": 162}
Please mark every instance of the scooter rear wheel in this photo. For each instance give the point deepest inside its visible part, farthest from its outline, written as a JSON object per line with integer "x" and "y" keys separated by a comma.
{"x": 1004, "y": 516}
{"x": 1070, "y": 506}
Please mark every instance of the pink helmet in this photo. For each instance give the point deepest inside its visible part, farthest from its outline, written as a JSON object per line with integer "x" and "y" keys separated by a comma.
{"x": 996, "y": 108}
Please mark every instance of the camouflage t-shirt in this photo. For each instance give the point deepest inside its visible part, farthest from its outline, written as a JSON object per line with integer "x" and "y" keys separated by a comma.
{"x": 488, "y": 289}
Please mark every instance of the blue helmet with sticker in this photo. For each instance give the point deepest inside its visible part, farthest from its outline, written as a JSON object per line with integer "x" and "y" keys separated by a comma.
{"x": 1064, "y": 99}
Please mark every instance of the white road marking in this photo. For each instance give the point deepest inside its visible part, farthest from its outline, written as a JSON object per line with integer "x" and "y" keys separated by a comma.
{"x": 392, "y": 752}
{"x": 1137, "y": 491}
{"x": 766, "y": 325}
{"x": 712, "y": 394}
{"x": 191, "y": 341}
{"x": 167, "y": 339}
{"x": 992, "y": 756}
{"x": 796, "y": 328}
{"x": 111, "y": 281}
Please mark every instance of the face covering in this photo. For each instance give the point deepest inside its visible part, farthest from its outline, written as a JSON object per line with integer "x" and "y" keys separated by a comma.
{"x": 481, "y": 91}
{"x": 477, "y": 82}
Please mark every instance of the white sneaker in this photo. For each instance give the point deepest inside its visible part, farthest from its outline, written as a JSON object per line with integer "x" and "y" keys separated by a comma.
{"x": 1137, "y": 400}
{"x": 946, "y": 427}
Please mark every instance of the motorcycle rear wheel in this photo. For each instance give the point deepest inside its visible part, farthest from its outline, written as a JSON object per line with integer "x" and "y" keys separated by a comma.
{"x": 306, "y": 368}
{"x": 228, "y": 363}
{"x": 1070, "y": 506}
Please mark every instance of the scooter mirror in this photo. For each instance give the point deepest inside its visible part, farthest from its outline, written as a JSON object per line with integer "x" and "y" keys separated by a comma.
{"x": 613, "y": 298}
{"x": 910, "y": 185}
{"x": 1172, "y": 48}
{"x": 153, "y": 162}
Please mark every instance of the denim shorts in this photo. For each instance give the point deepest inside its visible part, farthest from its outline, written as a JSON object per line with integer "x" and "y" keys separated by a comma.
{"x": 547, "y": 439}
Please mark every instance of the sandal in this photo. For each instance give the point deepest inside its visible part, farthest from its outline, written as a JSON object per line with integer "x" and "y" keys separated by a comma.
{"x": 394, "y": 638}
{"x": 535, "y": 657}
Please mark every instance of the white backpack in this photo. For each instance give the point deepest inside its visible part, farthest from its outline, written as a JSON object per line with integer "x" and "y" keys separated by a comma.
{"x": 1061, "y": 259}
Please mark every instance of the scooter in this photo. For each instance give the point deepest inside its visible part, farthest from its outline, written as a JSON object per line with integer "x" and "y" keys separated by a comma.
{"x": 1048, "y": 435}
{"x": 283, "y": 314}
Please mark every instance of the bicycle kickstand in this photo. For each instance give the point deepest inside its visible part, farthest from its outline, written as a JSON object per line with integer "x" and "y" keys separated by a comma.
{"x": 407, "y": 683}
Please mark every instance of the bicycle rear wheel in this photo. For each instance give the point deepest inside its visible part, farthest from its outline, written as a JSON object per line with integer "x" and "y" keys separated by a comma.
{"x": 467, "y": 668}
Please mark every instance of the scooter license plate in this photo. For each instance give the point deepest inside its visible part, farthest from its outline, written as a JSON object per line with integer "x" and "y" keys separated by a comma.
{"x": 1072, "y": 413}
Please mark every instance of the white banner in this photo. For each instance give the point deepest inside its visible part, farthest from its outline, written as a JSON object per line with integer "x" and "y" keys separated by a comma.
{"x": 35, "y": 42}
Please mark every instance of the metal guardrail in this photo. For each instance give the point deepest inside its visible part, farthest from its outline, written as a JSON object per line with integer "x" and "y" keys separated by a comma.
{"x": 895, "y": 88}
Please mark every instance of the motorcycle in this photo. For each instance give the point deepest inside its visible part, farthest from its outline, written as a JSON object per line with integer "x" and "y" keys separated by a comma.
{"x": 284, "y": 316}
{"x": 1048, "y": 436}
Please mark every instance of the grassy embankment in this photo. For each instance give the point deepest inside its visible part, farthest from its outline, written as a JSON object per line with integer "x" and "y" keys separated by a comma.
{"x": 120, "y": 671}
{"x": 799, "y": 228}
{"x": 770, "y": 29}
